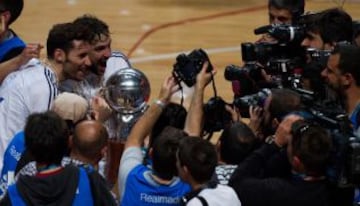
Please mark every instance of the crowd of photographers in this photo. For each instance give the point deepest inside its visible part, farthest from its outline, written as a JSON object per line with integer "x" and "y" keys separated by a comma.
{"x": 299, "y": 88}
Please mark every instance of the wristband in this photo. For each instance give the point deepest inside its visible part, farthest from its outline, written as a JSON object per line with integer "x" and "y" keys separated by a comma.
{"x": 271, "y": 140}
{"x": 160, "y": 103}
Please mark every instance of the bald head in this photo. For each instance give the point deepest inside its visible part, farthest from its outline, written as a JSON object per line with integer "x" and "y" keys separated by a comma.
{"x": 90, "y": 137}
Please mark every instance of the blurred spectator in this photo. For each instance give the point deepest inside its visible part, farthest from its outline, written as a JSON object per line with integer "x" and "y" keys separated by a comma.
{"x": 308, "y": 148}
{"x": 196, "y": 162}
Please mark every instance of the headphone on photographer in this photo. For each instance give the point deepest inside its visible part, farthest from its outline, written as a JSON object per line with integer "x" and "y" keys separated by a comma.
{"x": 195, "y": 194}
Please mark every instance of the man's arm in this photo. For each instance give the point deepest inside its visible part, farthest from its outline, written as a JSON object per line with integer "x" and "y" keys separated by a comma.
{"x": 145, "y": 124}
{"x": 255, "y": 165}
{"x": 132, "y": 155}
{"x": 29, "y": 52}
{"x": 194, "y": 118}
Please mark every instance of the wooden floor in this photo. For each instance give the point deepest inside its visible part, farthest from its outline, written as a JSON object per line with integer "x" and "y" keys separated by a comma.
{"x": 153, "y": 32}
{"x": 219, "y": 26}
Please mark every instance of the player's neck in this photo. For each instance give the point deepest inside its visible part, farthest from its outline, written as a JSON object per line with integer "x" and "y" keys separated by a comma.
{"x": 55, "y": 67}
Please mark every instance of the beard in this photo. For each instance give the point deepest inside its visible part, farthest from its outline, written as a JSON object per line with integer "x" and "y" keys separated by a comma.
{"x": 95, "y": 68}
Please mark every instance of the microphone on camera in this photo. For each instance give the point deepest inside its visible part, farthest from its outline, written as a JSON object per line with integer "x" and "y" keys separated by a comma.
{"x": 262, "y": 29}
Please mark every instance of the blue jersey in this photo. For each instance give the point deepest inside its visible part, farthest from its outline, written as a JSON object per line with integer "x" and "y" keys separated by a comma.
{"x": 11, "y": 158}
{"x": 8, "y": 45}
{"x": 140, "y": 191}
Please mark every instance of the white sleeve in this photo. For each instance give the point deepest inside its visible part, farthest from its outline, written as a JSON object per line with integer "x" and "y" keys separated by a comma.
{"x": 116, "y": 62}
{"x": 131, "y": 158}
{"x": 194, "y": 202}
{"x": 13, "y": 114}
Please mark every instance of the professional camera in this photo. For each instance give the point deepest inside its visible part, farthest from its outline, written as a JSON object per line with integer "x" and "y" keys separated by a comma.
{"x": 188, "y": 66}
{"x": 283, "y": 33}
{"x": 243, "y": 78}
{"x": 320, "y": 56}
{"x": 216, "y": 117}
{"x": 282, "y": 58}
{"x": 276, "y": 58}
{"x": 344, "y": 169}
{"x": 257, "y": 99}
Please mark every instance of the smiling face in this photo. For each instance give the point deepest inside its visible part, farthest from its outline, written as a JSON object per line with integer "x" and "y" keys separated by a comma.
{"x": 100, "y": 53}
{"x": 77, "y": 62}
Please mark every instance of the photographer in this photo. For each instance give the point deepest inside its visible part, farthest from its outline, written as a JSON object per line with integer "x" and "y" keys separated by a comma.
{"x": 342, "y": 74}
{"x": 264, "y": 120}
{"x": 285, "y": 11}
{"x": 308, "y": 148}
{"x": 326, "y": 28}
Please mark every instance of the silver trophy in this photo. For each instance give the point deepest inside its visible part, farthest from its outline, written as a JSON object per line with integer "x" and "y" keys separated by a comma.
{"x": 127, "y": 92}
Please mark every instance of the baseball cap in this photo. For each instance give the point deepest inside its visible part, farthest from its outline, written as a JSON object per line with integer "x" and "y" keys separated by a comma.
{"x": 70, "y": 106}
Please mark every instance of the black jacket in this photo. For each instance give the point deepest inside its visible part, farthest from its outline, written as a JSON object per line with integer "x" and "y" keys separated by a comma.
{"x": 254, "y": 189}
{"x": 60, "y": 188}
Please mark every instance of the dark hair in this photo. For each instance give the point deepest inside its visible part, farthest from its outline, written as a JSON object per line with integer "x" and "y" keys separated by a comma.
{"x": 333, "y": 25}
{"x": 236, "y": 143}
{"x": 199, "y": 156}
{"x": 14, "y": 7}
{"x": 90, "y": 147}
{"x": 295, "y": 7}
{"x": 283, "y": 101}
{"x": 46, "y": 137}
{"x": 164, "y": 155}
{"x": 61, "y": 36}
{"x": 349, "y": 60}
{"x": 95, "y": 25}
{"x": 173, "y": 115}
{"x": 312, "y": 144}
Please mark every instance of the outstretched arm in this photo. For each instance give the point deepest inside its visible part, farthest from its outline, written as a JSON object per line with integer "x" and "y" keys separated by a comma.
{"x": 194, "y": 118}
{"x": 29, "y": 52}
{"x": 143, "y": 127}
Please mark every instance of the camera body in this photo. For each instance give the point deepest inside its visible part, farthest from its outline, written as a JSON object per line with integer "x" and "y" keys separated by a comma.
{"x": 283, "y": 33}
{"x": 320, "y": 56}
{"x": 243, "y": 78}
{"x": 188, "y": 66}
{"x": 215, "y": 115}
{"x": 257, "y": 99}
{"x": 344, "y": 167}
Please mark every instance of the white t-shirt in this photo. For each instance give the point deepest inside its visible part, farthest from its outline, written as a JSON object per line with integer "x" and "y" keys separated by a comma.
{"x": 24, "y": 92}
{"x": 116, "y": 62}
{"x": 222, "y": 195}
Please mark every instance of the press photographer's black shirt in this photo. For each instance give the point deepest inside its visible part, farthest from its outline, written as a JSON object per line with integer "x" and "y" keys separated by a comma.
{"x": 253, "y": 189}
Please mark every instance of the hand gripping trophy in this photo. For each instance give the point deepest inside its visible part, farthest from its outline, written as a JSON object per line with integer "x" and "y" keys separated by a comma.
{"x": 127, "y": 92}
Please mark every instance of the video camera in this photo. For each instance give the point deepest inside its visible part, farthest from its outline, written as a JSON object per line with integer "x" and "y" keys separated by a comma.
{"x": 283, "y": 59}
{"x": 320, "y": 56}
{"x": 344, "y": 167}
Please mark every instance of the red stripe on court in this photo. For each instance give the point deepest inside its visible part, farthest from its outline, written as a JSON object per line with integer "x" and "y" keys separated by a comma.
{"x": 194, "y": 19}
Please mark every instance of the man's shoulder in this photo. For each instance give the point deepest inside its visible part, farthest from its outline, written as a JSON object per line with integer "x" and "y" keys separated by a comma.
{"x": 222, "y": 193}
{"x": 30, "y": 73}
